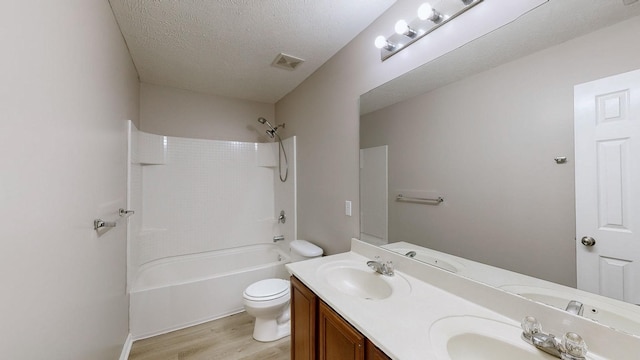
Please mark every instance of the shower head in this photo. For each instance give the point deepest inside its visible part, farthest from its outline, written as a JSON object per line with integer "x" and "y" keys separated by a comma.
{"x": 262, "y": 120}
{"x": 273, "y": 131}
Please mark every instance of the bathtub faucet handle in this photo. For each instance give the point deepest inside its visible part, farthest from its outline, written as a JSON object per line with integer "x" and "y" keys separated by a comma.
{"x": 282, "y": 218}
{"x": 278, "y": 238}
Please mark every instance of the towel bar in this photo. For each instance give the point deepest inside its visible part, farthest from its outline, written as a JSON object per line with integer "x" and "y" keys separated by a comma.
{"x": 401, "y": 197}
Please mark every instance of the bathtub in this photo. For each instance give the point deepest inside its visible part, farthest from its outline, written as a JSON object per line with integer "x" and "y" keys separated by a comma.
{"x": 181, "y": 291}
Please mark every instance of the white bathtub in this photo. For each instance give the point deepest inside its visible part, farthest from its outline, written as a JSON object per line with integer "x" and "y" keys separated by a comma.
{"x": 181, "y": 291}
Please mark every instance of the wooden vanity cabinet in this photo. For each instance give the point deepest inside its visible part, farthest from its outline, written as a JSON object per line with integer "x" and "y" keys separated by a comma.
{"x": 318, "y": 332}
{"x": 337, "y": 339}
{"x": 373, "y": 353}
{"x": 304, "y": 312}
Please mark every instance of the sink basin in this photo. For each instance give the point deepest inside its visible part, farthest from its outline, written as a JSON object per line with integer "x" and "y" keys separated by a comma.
{"x": 358, "y": 280}
{"x": 477, "y": 338}
{"x": 470, "y": 337}
{"x": 594, "y": 308}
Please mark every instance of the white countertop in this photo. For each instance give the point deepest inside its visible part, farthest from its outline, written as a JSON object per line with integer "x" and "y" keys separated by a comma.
{"x": 400, "y": 325}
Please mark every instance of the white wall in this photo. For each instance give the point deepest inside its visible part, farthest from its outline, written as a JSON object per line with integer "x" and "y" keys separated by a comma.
{"x": 174, "y": 112}
{"x": 68, "y": 86}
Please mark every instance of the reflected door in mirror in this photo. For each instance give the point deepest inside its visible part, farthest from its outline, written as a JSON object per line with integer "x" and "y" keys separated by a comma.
{"x": 374, "y": 195}
{"x": 607, "y": 149}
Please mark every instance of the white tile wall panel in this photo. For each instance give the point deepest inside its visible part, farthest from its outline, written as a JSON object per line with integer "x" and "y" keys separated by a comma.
{"x": 152, "y": 149}
{"x": 208, "y": 195}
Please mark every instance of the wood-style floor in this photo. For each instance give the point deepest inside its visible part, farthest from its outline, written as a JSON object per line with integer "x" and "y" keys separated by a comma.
{"x": 228, "y": 338}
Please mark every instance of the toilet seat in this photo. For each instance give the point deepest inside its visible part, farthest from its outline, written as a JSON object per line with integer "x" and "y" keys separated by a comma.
{"x": 265, "y": 290}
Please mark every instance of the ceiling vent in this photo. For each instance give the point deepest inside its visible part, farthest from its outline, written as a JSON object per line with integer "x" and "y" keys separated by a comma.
{"x": 287, "y": 62}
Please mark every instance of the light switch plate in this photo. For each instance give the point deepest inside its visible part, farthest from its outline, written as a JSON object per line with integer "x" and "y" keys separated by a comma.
{"x": 347, "y": 208}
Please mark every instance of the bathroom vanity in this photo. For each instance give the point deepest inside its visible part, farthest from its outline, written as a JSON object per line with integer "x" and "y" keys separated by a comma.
{"x": 318, "y": 329}
{"x": 342, "y": 309}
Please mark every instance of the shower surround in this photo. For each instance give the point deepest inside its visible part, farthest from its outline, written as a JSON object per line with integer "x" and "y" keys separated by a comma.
{"x": 195, "y": 197}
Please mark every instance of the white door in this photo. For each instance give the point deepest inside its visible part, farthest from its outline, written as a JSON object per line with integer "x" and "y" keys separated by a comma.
{"x": 607, "y": 165}
{"x": 374, "y": 195}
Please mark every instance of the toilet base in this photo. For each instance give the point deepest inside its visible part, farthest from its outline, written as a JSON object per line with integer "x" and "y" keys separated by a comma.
{"x": 268, "y": 329}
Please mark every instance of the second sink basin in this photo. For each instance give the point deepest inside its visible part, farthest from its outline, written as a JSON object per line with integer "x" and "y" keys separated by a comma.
{"x": 471, "y": 337}
{"x": 360, "y": 281}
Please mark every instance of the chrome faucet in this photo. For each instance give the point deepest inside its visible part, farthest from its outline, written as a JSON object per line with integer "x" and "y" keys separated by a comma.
{"x": 381, "y": 268}
{"x": 572, "y": 346}
{"x": 278, "y": 238}
{"x": 575, "y": 307}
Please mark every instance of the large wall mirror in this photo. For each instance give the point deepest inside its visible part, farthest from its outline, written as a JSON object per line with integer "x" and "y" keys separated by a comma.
{"x": 489, "y": 128}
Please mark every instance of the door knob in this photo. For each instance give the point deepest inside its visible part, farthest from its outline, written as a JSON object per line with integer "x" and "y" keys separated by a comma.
{"x": 588, "y": 241}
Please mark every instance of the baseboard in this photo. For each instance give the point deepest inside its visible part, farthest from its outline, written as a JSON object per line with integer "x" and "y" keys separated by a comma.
{"x": 126, "y": 349}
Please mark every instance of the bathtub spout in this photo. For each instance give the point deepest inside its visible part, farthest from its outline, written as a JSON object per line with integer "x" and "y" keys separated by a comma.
{"x": 278, "y": 238}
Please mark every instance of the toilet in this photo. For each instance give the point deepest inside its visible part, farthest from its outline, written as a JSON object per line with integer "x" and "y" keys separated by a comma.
{"x": 268, "y": 300}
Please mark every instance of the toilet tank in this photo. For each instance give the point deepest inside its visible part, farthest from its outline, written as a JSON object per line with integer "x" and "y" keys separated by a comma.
{"x": 303, "y": 250}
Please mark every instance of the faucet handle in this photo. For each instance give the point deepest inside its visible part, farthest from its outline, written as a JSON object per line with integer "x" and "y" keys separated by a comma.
{"x": 530, "y": 326}
{"x": 574, "y": 346}
{"x": 388, "y": 268}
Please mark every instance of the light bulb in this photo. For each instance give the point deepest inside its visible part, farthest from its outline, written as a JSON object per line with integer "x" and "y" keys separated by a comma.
{"x": 401, "y": 27}
{"x": 425, "y": 11}
{"x": 381, "y": 42}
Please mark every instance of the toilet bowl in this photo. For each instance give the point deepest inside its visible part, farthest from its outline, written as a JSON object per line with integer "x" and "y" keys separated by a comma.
{"x": 268, "y": 300}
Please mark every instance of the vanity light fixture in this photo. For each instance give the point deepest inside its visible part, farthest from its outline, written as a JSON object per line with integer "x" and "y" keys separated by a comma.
{"x": 429, "y": 19}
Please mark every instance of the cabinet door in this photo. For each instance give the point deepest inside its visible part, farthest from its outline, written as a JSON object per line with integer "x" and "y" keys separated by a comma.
{"x": 303, "y": 321}
{"x": 337, "y": 339}
{"x": 373, "y": 353}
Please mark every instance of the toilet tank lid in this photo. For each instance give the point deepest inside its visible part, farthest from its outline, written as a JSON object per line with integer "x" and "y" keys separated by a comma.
{"x": 305, "y": 248}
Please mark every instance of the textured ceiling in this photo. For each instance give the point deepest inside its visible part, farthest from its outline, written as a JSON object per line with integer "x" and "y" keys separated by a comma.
{"x": 552, "y": 23}
{"x": 226, "y": 47}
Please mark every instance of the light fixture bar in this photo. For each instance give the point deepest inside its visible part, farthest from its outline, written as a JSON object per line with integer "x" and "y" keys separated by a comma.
{"x": 421, "y": 29}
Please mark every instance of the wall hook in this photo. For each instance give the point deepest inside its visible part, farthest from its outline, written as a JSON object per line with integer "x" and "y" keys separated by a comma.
{"x": 560, "y": 159}
{"x": 123, "y": 212}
